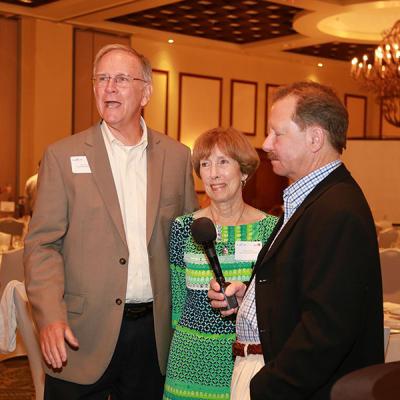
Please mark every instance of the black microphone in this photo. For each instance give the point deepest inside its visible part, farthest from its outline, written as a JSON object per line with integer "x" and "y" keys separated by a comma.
{"x": 204, "y": 233}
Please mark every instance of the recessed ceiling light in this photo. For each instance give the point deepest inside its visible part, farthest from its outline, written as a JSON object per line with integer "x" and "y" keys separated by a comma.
{"x": 170, "y": 41}
{"x": 26, "y": 1}
{"x": 320, "y": 65}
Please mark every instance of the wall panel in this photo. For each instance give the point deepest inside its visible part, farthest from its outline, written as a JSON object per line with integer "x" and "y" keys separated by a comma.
{"x": 9, "y": 102}
{"x": 156, "y": 111}
{"x": 86, "y": 46}
{"x": 200, "y": 100}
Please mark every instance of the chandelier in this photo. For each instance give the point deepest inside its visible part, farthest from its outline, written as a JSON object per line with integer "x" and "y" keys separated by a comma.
{"x": 382, "y": 75}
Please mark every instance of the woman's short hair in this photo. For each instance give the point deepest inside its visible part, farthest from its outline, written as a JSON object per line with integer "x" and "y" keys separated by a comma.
{"x": 232, "y": 143}
{"x": 144, "y": 62}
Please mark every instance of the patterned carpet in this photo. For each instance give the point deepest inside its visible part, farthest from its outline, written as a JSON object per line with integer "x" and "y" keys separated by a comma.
{"x": 15, "y": 380}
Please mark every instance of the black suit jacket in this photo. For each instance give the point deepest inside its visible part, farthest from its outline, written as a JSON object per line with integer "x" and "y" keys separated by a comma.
{"x": 319, "y": 295}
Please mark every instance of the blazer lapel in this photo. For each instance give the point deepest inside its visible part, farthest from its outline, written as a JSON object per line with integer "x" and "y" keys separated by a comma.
{"x": 337, "y": 175}
{"x": 155, "y": 162}
{"x": 97, "y": 156}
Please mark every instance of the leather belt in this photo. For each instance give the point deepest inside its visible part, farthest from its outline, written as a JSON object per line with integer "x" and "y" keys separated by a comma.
{"x": 243, "y": 349}
{"x": 137, "y": 310}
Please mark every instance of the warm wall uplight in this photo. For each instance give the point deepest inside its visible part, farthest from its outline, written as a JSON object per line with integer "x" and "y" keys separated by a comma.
{"x": 170, "y": 41}
{"x": 320, "y": 65}
{"x": 25, "y": 1}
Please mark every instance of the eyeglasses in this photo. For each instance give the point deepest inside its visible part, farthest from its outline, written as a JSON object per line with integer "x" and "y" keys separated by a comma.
{"x": 120, "y": 80}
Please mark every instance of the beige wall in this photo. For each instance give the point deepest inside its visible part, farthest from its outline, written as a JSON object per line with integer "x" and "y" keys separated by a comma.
{"x": 46, "y": 99}
{"x": 229, "y": 65}
{"x": 46, "y": 89}
{"x": 376, "y": 165}
{"x": 8, "y": 102}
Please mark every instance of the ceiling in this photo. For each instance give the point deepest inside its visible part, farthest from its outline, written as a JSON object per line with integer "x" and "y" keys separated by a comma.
{"x": 318, "y": 30}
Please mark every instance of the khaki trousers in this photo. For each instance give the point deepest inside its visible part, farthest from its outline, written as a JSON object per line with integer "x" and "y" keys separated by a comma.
{"x": 243, "y": 371}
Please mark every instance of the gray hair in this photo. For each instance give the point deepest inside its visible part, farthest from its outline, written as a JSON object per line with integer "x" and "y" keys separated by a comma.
{"x": 144, "y": 62}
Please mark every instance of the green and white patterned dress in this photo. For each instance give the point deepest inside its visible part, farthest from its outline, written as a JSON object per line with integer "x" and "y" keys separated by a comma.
{"x": 200, "y": 362}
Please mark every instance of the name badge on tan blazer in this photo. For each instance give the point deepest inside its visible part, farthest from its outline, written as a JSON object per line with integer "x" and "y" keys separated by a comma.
{"x": 80, "y": 165}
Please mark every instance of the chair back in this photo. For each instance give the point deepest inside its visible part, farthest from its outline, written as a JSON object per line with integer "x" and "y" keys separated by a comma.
{"x": 5, "y": 242}
{"x": 376, "y": 382}
{"x": 27, "y": 330}
{"x": 11, "y": 267}
{"x": 12, "y": 226}
{"x": 390, "y": 267}
{"x": 388, "y": 238}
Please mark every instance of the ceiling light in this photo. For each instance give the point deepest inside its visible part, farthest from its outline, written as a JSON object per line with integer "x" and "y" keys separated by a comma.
{"x": 170, "y": 41}
{"x": 382, "y": 74}
{"x": 320, "y": 65}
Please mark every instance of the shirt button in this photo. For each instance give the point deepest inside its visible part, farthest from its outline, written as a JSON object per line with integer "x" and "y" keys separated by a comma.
{"x": 122, "y": 261}
{"x": 118, "y": 301}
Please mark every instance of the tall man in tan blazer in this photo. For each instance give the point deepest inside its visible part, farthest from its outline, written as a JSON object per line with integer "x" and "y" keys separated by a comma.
{"x": 96, "y": 255}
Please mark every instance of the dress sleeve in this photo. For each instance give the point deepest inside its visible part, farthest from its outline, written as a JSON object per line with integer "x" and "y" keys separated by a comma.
{"x": 177, "y": 242}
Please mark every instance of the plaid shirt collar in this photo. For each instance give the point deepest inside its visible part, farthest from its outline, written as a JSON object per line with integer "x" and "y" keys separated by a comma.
{"x": 296, "y": 193}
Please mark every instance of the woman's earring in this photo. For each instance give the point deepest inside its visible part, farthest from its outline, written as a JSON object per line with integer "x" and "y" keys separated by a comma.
{"x": 244, "y": 181}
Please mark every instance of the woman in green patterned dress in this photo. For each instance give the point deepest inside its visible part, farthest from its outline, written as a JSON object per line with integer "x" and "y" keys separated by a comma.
{"x": 200, "y": 362}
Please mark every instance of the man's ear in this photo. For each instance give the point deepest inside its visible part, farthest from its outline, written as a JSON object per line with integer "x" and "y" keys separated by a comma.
{"x": 316, "y": 138}
{"x": 147, "y": 91}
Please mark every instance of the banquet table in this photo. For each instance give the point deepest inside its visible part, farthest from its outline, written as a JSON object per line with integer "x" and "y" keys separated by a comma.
{"x": 392, "y": 321}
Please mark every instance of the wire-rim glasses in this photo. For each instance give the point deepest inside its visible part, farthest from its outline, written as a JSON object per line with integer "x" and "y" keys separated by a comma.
{"x": 120, "y": 80}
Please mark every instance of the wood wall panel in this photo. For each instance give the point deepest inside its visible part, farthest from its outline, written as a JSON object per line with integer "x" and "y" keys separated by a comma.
{"x": 386, "y": 130}
{"x": 264, "y": 190}
{"x": 243, "y": 115}
{"x": 86, "y": 46}
{"x": 9, "y": 102}
{"x": 200, "y": 103}
{"x": 270, "y": 89}
{"x": 156, "y": 111}
{"x": 357, "y": 108}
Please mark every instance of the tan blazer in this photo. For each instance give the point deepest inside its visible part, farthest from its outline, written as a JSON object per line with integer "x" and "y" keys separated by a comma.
{"x": 76, "y": 255}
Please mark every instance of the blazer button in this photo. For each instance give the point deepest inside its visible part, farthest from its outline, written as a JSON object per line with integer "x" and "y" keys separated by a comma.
{"x": 122, "y": 261}
{"x": 118, "y": 301}
{"x": 263, "y": 281}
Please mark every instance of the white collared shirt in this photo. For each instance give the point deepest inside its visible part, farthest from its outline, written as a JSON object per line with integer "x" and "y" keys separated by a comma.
{"x": 129, "y": 169}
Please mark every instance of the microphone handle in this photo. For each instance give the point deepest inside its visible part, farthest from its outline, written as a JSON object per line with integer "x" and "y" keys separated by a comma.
{"x": 232, "y": 301}
{"x": 216, "y": 267}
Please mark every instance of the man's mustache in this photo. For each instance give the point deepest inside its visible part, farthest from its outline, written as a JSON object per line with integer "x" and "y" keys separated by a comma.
{"x": 272, "y": 156}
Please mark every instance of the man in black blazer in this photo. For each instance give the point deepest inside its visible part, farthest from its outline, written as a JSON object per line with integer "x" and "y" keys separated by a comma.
{"x": 313, "y": 309}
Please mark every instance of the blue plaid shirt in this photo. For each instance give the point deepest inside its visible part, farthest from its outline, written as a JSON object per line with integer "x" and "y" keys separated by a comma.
{"x": 293, "y": 196}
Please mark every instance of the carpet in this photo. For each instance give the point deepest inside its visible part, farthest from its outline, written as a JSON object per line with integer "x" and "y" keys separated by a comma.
{"x": 16, "y": 380}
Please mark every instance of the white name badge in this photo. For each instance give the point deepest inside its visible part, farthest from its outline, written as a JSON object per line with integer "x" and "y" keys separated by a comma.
{"x": 247, "y": 251}
{"x": 80, "y": 165}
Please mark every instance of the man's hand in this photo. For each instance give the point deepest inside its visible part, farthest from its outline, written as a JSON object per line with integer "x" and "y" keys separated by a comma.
{"x": 52, "y": 343}
{"x": 218, "y": 299}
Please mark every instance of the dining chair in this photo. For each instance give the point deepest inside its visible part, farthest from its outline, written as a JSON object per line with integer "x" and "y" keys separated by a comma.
{"x": 387, "y": 238}
{"x": 27, "y": 330}
{"x": 5, "y": 242}
{"x": 11, "y": 344}
{"x": 376, "y": 382}
{"x": 11, "y": 267}
{"x": 12, "y": 227}
{"x": 390, "y": 268}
